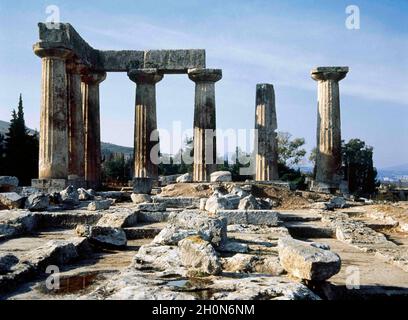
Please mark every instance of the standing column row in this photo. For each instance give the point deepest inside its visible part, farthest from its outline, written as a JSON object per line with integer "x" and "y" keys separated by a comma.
{"x": 68, "y": 153}
{"x": 205, "y": 145}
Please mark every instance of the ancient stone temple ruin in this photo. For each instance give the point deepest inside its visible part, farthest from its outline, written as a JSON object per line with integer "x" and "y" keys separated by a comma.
{"x": 70, "y": 140}
{"x": 70, "y": 118}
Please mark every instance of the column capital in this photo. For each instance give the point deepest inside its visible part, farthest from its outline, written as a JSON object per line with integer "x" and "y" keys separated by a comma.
{"x": 329, "y": 73}
{"x": 44, "y": 51}
{"x": 93, "y": 77}
{"x": 144, "y": 76}
{"x": 199, "y": 75}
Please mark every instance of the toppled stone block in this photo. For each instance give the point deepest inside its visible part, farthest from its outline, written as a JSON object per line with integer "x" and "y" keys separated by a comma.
{"x": 69, "y": 197}
{"x": 249, "y": 202}
{"x": 221, "y": 176}
{"x": 8, "y": 183}
{"x": 85, "y": 194}
{"x": 7, "y": 261}
{"x": 116, "y": 195}
{"x": 37, "y": 202}
{"x": 99, "y": 205}
{"x": 11, "y": 200}
{"x": 171, "y": 235}
{"x": 199, "y": 256}
{"x": 240, "y": 192}
{"x": 140, "y": 198}
{"x": 164, "y": 258}
{"x": 103, "y": 235}
{"x": 14, "y": 223}
{"x": 121, "y": 219}
{"x": 151, "y": 207}
{"x": 187, "y": 177}
{"x": 307, "y": 262}
{"x": 221, "y": 202}
{"x": 248, "y": 263}
{"x": 233, "y": 216}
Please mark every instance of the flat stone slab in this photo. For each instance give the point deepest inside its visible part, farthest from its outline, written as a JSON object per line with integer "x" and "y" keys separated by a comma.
{"x": 178, "y": 202}
{"x": 256, "y": 217}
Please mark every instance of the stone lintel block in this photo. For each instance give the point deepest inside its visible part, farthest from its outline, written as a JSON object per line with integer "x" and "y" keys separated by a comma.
{"x": 174, "y": 61}
{"x": 329, "y": 73}
{"x": 63, "y": 35}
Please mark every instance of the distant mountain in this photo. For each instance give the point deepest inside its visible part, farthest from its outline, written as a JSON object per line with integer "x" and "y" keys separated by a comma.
{"x": 400, "y": 167}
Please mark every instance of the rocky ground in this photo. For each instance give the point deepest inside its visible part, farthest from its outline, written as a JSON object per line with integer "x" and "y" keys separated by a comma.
{"x": 218, "y": 240}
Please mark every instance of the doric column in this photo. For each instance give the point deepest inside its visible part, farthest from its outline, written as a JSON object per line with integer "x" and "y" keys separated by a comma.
{"x": 76, "y": 133}
{"x": 328, "y": 156}
{"x": 145, "y": 121}
{"x": 53, "y": 157}
{"x": 266, "y": 126}
{"x": 90, "y": 102}
{"x": 205, "y": 147}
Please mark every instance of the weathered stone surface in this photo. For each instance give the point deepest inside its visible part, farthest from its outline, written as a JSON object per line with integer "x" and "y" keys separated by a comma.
{"x": 266, "y": 125}
{"x": 85, "y": 194}
{"x": 249, "y": 202}
{"x": 103, "y": 235}
{"x": 166, "y": 180}
{"x": 37, "y": 202}
{"x": 307, "y": 262}
{"x": 234, "y": 246}
{"x": 221, "y": 202}
{"x": 152, "y": 207}
{"x": 160, "y": 257}
{"x": 187, "y": 177}
{"x": 120, "y": 219}
{"x": 171, "y": 235}
{"x": 11, "y": 200}
{"x": 8, "y": 183}
{"x": 117, "y": 195}
{"x": 66, "y": 219}
{"x": 178, "y": 202}
{"x": 140, "y": 198}
{"x": 99, "y": 205}
{"x": 70, "y": 197}
{"x": 255, "y": 217}
{"x": 7, "y": 261}
{"x": 151, "y": 216}
{"x": 199, "y": 256}
{"x": 265, "y": 288}
{"x": 338, "y": 203}
{"x": 249, "y": 263}
{"x": 14, "y": 223}
{"x": 240, "y": 192}
{"x": 221, "y": 176}
{"x": 210, "y": 229}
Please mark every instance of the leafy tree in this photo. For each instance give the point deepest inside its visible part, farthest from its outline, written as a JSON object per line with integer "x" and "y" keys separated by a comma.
{"x": 116, "y": 168}
{"x": 290, "y": 150}
{"x": 358, "y": 167}
{"x": 21, "y": 148}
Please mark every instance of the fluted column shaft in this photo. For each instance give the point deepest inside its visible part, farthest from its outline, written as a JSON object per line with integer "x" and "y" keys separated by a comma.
{"x": 205, "y": 146}
{"x": 145, "y": 164}
{"x": 53, "y": 155}
{"x": 76, "y": 133}
{"x": 91, "y": 112}
{"x": 266, "y": 125}
{"x": 328, "y": 156}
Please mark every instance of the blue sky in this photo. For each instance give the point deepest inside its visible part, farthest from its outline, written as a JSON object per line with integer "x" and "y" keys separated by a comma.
{"x": 278, "y": 42}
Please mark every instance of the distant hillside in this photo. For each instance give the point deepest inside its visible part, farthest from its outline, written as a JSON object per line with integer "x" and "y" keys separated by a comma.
{"x": 113, "y": 148}
{"x": 4, "y": 125}
{"x": 105, "y": 146}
